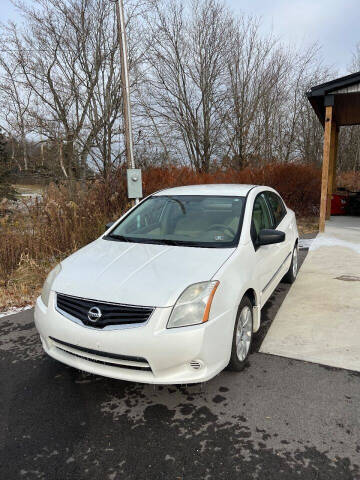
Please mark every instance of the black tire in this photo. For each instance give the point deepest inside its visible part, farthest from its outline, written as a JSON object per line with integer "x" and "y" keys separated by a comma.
{"x": 291, "y": 274}
{"x": 236, "y": 364}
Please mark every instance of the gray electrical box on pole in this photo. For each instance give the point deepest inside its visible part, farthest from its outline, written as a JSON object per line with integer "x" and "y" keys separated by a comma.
{"x": 134, "y": 183}
{"x": 133, "y": 174}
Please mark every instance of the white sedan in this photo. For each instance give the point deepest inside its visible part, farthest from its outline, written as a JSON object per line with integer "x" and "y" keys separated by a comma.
{"x": 172, "y": 292}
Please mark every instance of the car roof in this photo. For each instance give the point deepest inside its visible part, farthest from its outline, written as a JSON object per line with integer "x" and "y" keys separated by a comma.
{"x": 225, "y": 189}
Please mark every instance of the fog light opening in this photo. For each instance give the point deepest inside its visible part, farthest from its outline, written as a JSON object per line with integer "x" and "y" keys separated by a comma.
{"x": 196, "y": 364}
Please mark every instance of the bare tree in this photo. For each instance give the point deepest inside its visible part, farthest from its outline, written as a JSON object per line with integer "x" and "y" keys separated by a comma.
{"x": 255, "y": 69}
{"x": 208, "y": 88}
{"x": 186, "y": 74}
{"x": 105, "y": 106}
{"x": 15, "y": 101}
{"x": 67, "y": 60}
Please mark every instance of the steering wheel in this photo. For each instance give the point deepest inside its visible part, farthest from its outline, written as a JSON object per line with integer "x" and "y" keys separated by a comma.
{"x": 222, "y": 227}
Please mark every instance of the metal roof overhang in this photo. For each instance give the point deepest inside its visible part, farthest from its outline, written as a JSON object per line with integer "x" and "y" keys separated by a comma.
{"x": 346, "y": 104}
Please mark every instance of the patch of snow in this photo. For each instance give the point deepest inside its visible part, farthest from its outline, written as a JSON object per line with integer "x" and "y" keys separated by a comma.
{"x": 14, "y": 310}
{"x": 305, "y": 243}
{"x": 326, "y": 241}
{"x": 31, "y": 195}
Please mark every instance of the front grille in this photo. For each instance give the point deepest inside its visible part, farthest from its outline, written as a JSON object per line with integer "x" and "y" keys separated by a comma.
{"x": 111, "y": 313}
{"x": 103, "y": 358}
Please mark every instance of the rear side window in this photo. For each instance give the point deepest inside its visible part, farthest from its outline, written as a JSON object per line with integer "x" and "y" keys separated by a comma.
{"x": 277, "y": 207}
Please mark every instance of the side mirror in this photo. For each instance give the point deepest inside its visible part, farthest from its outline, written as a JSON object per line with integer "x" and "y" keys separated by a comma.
{"x": 268, "y": 237}
{"x": 109, "y": 225}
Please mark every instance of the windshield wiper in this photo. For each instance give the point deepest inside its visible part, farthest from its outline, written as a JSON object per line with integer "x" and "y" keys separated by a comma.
{"x": 121, "y": 238}
{"x": 163, "y": 241}
{"x": 167, "y": 241}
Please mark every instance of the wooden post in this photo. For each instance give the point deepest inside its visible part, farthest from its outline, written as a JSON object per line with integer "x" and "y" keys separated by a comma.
{"x": 329, "y": 126}
{"x": 335, "y": 158}
{"x": 330, "y": 191}
{"x": 125, "y": 83}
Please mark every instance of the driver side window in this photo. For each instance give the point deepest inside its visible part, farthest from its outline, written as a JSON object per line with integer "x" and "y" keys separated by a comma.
{"x": 260, "y": 218}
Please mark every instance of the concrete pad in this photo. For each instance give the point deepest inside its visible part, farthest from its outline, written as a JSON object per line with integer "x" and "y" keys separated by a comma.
{"x": 319, "y": 320}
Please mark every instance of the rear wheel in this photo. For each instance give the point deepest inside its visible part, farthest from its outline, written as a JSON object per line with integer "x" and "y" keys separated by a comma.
{"x": 242, "y": 336}
{"x": 290, "y": 277}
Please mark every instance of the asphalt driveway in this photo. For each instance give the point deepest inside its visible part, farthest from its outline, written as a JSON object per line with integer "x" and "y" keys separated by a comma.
{"x": 279, "y": 419}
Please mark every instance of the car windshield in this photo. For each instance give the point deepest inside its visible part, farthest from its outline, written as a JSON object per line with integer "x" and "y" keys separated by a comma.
{"x": 190, "y": 220}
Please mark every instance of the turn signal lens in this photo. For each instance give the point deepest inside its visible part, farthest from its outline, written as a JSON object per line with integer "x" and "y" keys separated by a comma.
{"x": 209, "y": 302}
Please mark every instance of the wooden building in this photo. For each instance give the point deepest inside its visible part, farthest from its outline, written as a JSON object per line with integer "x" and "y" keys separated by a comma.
{"x": 337, "y": 104}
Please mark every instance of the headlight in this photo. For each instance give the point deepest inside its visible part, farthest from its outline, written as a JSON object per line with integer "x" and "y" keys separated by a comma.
{"x": 48, "y": 283}
{"x": 193, "y": 305}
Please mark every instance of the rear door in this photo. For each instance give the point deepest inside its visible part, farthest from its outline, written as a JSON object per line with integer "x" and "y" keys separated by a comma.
{"x": 267, "y": 257}
{"x": 281, "y": 221}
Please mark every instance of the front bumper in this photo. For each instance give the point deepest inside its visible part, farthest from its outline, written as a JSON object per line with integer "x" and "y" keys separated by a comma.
{"x": 149, "y": 353}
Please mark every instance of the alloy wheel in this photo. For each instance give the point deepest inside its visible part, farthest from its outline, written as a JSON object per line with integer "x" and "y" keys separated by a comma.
{"x": 295, "y": 262}
{"x": 244, "y": 333}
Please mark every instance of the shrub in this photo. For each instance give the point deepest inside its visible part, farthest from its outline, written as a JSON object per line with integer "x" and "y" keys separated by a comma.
{"x": 349, "y": 180}
{"x": 298, "y": 184}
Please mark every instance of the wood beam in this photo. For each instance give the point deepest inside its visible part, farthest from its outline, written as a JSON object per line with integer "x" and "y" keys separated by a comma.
{"x": 331, "y": 168}
{"x": 329, "y": 141}
{"x": 334, "y": 184}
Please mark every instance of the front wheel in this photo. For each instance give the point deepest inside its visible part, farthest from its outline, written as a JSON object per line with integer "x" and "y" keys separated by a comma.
{"x": 242, "y": 337}
{"x": 290, "y": 276}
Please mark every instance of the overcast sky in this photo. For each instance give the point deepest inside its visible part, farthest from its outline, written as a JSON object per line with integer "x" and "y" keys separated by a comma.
{"x": 334, "y": 24}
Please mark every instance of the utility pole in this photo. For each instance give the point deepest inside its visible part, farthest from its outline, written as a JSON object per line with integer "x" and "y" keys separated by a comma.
{"x": 133, "y": 175}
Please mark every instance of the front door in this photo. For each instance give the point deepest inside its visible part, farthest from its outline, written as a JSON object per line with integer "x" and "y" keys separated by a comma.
{"x": 268, "y": 257}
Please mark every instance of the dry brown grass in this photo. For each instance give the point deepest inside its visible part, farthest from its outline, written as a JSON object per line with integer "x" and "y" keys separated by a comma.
{"x": 308, "y": 225}
{"x": 24, "y": 284}
{"x": 40, "y": 233}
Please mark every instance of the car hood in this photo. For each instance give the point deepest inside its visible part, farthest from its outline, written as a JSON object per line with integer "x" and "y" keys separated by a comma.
{"x": 137, "y": 274}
